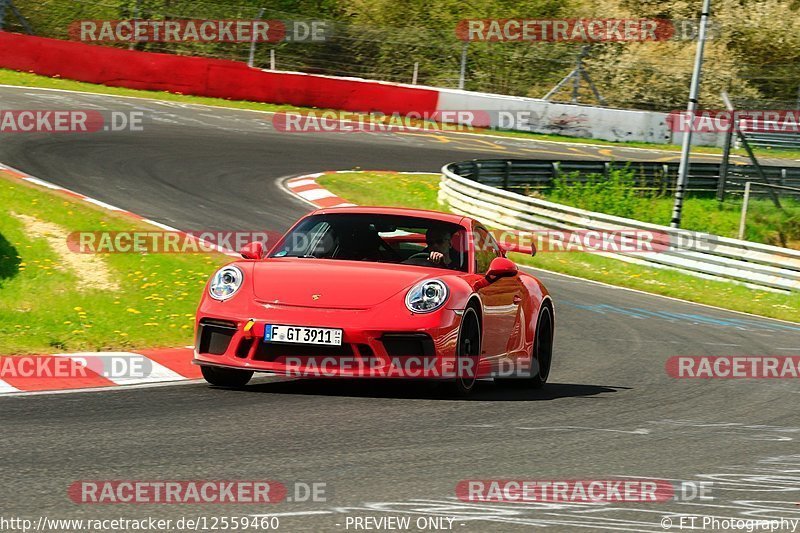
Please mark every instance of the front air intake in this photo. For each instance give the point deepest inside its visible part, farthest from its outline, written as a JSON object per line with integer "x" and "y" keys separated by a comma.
{"x": 408, "y": 344}
{"x": 214, "y": 336}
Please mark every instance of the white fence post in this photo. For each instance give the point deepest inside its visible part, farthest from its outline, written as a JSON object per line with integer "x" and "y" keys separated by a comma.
{"x": 743, "y": 219}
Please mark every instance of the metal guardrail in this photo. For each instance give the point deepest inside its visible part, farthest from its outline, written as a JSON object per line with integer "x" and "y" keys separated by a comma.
{"x": 511, "y": 174}
{"x": 780, "y": 135}
{"x": 775, "y": 140}
{"x": 704, "y": 255}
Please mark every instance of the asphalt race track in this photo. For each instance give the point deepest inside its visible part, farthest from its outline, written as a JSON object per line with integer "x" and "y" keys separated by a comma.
{"x": 388, "y": 449}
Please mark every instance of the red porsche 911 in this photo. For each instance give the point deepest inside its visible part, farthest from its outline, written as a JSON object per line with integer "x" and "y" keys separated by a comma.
{"x": 376, "y": 292}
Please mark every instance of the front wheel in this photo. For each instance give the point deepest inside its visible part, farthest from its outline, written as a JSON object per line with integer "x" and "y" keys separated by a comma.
{"x": 226, "y": 377}
{"x": 543, "y": 348}
{"x": 468, "y": 352}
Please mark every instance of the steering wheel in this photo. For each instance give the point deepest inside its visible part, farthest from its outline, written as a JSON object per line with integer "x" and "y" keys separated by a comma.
{"x": 420, "y": 255}
{"x": 390, "y": 252}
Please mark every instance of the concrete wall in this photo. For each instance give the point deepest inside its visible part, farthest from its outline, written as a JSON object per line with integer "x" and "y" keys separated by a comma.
{"x": 574, "y": 120}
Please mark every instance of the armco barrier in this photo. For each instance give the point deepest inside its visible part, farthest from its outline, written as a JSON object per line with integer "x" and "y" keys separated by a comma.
{"x": 776, "y": 140}
{"x": 703, "y": 255}
{"x": 205, "y": 77}
{"x": 527, "y": 174}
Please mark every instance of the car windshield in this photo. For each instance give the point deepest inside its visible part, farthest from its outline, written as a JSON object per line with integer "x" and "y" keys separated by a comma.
{"x": 377, "y": 238}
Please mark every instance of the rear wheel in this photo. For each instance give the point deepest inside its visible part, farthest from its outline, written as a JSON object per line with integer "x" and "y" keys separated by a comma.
{"x": 226, "y": 377}
{"x": 468, "y": 352}
{"x": 543, "y": 347}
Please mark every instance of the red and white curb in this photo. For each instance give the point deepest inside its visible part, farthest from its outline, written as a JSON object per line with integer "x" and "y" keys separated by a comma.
{"x": 95, "y": 370}
{"x": 307, "y": 189}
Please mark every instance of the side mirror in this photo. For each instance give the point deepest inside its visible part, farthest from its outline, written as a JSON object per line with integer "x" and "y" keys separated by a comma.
{"x": 500, "y": 267}
{"x": 252, "y": 250}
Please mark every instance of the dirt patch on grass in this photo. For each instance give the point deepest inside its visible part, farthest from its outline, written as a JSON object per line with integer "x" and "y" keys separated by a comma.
{"x": 91, "y": 271}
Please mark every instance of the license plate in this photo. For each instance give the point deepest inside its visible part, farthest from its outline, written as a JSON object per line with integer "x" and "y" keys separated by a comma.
{"x": 303, "y": 335}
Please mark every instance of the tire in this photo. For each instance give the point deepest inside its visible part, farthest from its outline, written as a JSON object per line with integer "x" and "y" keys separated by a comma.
{"x": 226, "y": 377}
{"x": 543, "y": 347}
{"x": 469, "y": 346}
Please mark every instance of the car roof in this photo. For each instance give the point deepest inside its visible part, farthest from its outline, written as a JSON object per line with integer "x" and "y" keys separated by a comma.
{"x": 399, "y": 211}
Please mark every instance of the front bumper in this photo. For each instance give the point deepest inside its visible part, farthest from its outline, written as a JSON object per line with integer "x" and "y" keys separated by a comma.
{"x": 374, "y": 343}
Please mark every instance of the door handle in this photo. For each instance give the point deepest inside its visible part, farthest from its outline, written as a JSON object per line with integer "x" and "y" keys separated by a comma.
{"x": 517, "y": 299}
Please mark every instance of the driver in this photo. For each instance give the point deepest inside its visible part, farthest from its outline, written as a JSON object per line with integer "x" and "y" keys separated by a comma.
{"x": 439, "y": 246}
{"x": 439, "y": 249}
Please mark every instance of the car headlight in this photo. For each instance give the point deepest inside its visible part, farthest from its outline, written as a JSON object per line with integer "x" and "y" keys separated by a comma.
{"x": 225, "y": 282}
{"x": 427, "y": 296}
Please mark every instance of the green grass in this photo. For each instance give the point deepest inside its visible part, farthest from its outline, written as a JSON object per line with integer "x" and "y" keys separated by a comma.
{"x": 42, "y": 309}
{"x": 617, "y": 195}
{"x": 11, "y": 77}
{"x": 385, "y": 188}
{"x": 418, "y": 190}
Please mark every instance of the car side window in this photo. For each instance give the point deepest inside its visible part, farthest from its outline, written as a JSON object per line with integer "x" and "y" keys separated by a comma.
{"x": 486, "y": 249}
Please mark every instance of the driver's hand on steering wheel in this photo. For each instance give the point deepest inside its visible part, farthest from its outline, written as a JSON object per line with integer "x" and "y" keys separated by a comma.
{"x": 436, "y": 258}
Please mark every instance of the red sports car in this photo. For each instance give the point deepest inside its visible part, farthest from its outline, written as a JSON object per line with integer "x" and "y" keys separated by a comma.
{"x": 376, "y": 292}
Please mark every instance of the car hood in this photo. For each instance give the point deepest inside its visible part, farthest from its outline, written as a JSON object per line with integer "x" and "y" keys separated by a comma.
{"x": 332, "y": 284}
